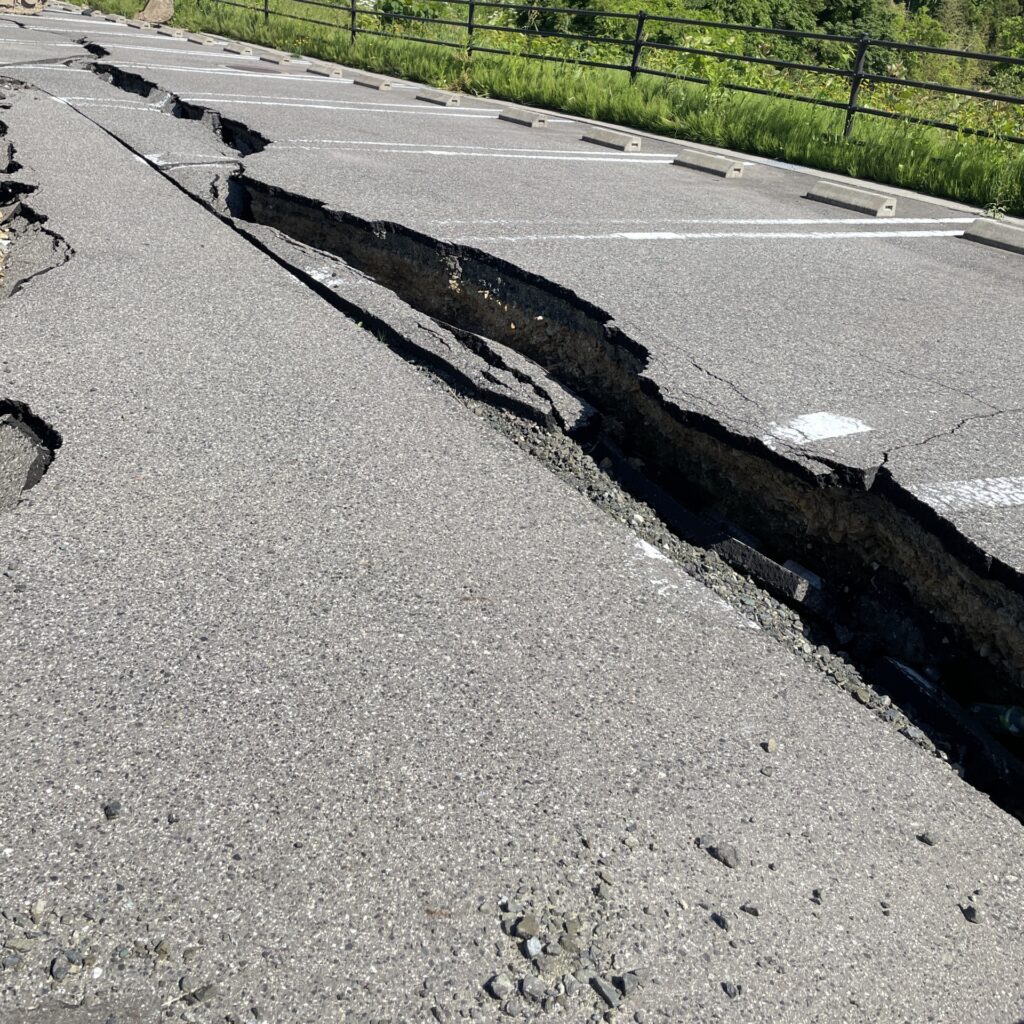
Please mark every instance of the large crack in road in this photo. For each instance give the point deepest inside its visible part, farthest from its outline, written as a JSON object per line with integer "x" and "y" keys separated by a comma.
{"x": 894, "y": 602}
{"x": 30, "y": 249}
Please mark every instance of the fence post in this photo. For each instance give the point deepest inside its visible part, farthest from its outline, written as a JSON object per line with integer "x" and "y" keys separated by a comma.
{"x": 266, "y": 11}
{"x": 638, "y": 45}
{"x": 858, "y": 77}
{"x": 352, "y": 30}
{"x": 469, "y": 28}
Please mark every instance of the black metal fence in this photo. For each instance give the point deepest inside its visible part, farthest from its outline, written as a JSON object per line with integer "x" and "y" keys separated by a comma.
{"x": 635, "y": 39}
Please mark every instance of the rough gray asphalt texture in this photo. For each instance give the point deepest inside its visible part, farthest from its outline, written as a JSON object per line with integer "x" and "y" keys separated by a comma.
{"x": 316, "y": 688}
{"x": 912, "y": 335}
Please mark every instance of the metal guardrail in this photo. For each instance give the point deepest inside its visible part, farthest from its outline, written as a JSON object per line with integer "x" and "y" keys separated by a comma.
{"x": 636, "y": 40}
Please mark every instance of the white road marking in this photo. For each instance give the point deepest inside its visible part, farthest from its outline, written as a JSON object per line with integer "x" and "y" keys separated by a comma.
{"x": 751, "y": 222}
{"x": 815, "y": 426}
{"x": 184, "y": 70}
{"x": 215, "y": 54}
{"x": 673, "y": 236}
{"x": 32, "y": 42}
{"x": 497, "y": 155}
{"x": 199, "y": 160}
{"x": 93, "y": 31}
{"x": 120, "y": 101}
{"x": 985, "y": 492}
{"x": 470, "y": 150}
{"x": 52, "y": 67}
{"x": 366, "y": 108}
{"x": 650, "y": 551}
{"x": 685, "y": 582}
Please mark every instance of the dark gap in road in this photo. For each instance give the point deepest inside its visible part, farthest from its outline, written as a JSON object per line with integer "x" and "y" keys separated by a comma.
{"x": 918, "y": 608}
{"x": 28, "y": 445}
{"x": 240, "y": 137}
{"x": 35, "y": 249}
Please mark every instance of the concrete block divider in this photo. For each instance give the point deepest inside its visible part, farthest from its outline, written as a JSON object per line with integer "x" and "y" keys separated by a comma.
{"x": 997, "y": 234}
{"x": 859, "y": 200}
{"x": 201, "y": 40}
{"x": 613, "y": 140}
{"x": 325, "y": 71}
{"x": 238, "y": 48}
{"x": 524, "y": 117}
{"x": 173, "y": 33}
{"x": 710, "y": 163}
{"x": 440, "y": 99}
{"x": 373, "y": 82}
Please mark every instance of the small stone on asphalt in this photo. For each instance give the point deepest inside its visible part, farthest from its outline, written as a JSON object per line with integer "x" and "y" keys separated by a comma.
{"x": 606, "y": 991}
{"x": 500, "y": 986}
{"x": 725, "y": 853}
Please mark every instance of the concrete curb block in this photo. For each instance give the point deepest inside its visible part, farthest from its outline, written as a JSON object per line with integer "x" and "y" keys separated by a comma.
{"x": 173, "y": 33}
{"x": 613, "y": 140}
{"x": 238, "y": 48}
{"x": 202, "y": 40}
{"x": 858, "y": 199}
{"x": 440, "y": 99}
{"x": 523, "y": 117}
{"x": 372, "y": 82}
{"x": 710, "y": 163}
{"x": 997, "y": 234}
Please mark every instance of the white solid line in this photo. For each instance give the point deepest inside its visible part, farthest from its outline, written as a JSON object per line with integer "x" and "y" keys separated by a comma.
{"x": 753, "y": 222}
{"x": 133, "y": 34}
{"x": 33, "y": 42}
{"x": 386, "y": 108}
{"x": 113, "y": 106}
{"x": 985, "y": 492}
{"x": 647, "y": 236}
{"x": 107, "y": 99}
{"x": 815, "y": 426}
{"x": 52, "y": 67}
{"x": 507, "y": 155}
{"x": 478, "y": 149}
{"x": 191, "y": 71}
{"x": 215, "y": 54}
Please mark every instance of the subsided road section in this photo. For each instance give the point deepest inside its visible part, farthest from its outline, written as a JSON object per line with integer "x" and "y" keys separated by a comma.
{"x": 875, "y": 363}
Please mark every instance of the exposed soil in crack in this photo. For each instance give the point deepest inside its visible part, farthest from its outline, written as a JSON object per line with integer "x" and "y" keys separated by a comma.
{"x": 896, "y": 590}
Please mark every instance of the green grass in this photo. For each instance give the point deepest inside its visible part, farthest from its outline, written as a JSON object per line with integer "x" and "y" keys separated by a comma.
{"x": 983, "y": 172}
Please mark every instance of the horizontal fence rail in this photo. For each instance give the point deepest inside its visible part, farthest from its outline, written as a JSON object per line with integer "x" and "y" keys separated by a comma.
{"x": 636, "y": 41}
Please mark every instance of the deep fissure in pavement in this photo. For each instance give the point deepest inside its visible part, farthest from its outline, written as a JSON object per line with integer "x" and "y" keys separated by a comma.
{"x": 27, "y": 447}
{"x": 899, "y": 581}
{"x": 28, "y": 443}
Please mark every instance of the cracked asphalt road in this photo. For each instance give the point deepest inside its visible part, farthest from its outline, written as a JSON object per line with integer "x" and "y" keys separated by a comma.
{"x": 302, "y": 685}
{"x": 759, "y": 308}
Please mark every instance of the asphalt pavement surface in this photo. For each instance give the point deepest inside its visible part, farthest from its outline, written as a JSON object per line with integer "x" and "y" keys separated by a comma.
{"x": 323, "y": 700}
